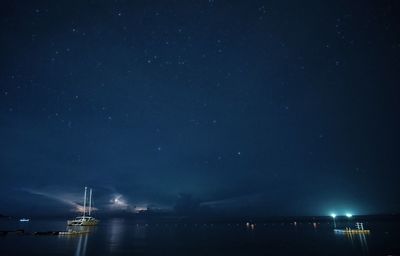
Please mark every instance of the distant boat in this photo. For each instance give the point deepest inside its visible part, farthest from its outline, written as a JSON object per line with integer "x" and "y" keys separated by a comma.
{"x": 84, "y": 220}
{"x": 360, "y": 230}
{"x": 24, "y": 220}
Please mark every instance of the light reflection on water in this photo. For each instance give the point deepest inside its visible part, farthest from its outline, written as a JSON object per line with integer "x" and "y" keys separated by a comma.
{"x": 140, "y": 231}
{"x": 364, "y": 244}
{"x": 357, "y": 240}
{"x": 80, "y": 241}
{"x": 81, "y": 247}
{"x": 116, "y": 230}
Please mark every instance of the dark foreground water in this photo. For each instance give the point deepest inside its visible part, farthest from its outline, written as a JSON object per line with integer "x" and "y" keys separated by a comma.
{"x": 127, "y": 237}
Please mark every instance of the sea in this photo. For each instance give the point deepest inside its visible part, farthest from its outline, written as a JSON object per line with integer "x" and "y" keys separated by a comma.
{"x": 134, "y": 237}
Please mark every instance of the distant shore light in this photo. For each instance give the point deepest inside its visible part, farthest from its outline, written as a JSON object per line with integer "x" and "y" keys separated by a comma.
{"x": 333, "y": 215}
{"x": 349, "y": 215}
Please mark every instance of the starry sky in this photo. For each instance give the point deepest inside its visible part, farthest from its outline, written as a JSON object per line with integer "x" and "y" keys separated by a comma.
{"x": 238, "y": 107}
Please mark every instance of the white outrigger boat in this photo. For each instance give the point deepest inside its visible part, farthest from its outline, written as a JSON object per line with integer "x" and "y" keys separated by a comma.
{"x": 84, "y": 220}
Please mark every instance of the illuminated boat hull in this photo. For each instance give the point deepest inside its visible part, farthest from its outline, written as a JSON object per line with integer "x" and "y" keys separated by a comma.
{"x": 83, "y": 221}
{"x": 352, "y": 231}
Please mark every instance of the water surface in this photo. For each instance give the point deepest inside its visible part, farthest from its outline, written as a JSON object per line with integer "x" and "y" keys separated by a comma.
{"x": 129, "y": 237}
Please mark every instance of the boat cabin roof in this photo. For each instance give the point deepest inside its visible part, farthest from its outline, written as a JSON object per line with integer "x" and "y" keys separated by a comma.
{"x": 83, "y": 217}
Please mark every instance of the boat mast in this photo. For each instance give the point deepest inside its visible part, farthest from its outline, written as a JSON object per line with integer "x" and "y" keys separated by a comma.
{"x": 84, "y": 203}
{"x": 90, "y": 201}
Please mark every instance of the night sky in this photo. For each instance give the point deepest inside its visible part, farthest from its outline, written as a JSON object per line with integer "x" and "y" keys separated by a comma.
{"x": 234, "y": 107}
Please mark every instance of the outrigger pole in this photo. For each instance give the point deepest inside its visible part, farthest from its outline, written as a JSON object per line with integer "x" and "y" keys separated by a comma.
{"x": 90, "y": 202}
{"x": 84, "y": 203}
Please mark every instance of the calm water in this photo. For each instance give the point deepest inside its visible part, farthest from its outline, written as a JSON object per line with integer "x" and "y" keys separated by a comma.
{"x": 124, "y": 237}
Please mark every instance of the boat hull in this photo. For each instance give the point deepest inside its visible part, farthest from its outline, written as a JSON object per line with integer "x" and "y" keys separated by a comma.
{"x": 82, "y": 223}
{"x": 352, "y": 231}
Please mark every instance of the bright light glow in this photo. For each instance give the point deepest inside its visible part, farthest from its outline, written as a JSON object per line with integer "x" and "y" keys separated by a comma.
{"x": 349, "y": 215}
{"x": 140, "y": 208}
{"x": 333, "y": 215}
{"x": 79, "y": 208}
{"x": 118, "y": 202}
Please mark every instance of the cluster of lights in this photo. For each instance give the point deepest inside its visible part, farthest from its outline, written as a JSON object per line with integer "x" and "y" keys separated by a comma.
{"x": 333, "y": 215}
{"x": 348, "y": 215}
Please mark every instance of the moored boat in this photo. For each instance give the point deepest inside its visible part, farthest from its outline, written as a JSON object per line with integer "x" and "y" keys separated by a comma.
{"x": 85, "y": 220}
{"x": 360, "y": 230}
